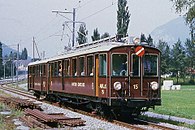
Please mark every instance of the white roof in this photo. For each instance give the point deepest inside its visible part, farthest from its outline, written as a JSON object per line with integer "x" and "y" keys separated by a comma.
{"x": 101, "y": 47}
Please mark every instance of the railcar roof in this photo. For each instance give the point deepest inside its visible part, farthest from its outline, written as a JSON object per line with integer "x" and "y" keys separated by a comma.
{"x": 85, "y": 49}
{"x": 103, "y": 47}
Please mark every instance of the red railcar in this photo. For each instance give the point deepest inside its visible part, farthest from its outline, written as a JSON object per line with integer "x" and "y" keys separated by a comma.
{"x": 107, "y": 76}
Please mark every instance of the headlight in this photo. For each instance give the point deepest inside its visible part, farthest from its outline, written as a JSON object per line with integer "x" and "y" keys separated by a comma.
{"x": 117, "y": 86}
{"x": 154, "y": 85}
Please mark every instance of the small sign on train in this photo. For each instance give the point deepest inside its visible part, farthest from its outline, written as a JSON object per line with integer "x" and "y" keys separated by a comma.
{"x": 139, "y": 51}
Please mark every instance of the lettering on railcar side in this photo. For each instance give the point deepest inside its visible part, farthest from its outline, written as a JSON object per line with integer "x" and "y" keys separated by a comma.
{"x": 75, "y": 84}
{"x": 103, "y": 86}
{"x": 37, "y": 84}
{"x": 103, "y": 91}
{"x": 81, "y": 84}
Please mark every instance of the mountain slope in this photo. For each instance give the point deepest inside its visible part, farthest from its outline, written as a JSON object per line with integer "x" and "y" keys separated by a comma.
{"x": 172, "y": 31}
{"x": 7, "y": 49}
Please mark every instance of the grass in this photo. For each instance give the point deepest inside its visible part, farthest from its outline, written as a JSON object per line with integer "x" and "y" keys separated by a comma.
{"x": 6, "y": 121}
{"x": 167, "y": 121}
{"x": 180, "y": 103}
{"x": 19, "y": 83}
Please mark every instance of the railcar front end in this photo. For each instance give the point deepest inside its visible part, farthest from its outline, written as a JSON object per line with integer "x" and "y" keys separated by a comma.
{"x": 134, "y": 79}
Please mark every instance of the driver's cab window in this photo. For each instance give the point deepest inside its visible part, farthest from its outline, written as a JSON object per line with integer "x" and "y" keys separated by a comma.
{"x": 135, "y": 65}
{"x": 119, "y": 65}
{"x": 150, "y": 65}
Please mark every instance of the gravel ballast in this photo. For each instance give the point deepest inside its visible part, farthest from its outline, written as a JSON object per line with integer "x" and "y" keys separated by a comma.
{"x": 96, "y": 124}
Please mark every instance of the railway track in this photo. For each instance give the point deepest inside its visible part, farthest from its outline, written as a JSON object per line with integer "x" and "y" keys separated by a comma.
{"x": 154, "y": 125}
{"x": 34, "y": 118}
{"x": 141, "y": 125}
{"x": 17, "y": 91}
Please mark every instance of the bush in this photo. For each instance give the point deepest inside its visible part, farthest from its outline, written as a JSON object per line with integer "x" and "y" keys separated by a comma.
{"x": 191, "y": 82}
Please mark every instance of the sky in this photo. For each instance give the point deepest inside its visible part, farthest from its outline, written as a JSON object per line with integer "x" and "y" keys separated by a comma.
{"x": 21, "y": 20}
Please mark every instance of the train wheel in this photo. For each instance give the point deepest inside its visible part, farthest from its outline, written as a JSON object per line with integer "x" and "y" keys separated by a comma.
{"x": 105, "y": 111}
{"x": 37, "y": 95}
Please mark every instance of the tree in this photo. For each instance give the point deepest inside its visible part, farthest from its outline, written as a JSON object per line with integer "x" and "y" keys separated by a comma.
{"x": 178, "y": 60}
{"x": 82, "y": 33}
{"x": 96, "y": 35}
{"x": 24, "y": 54}
{"x": 123, "y": 18}
{"x": 105, "y": 35}
{"x": 1, "y": 60}
{"x": 189, "y": 6}
{"x": 150, "y": 41}
{"x": 185, "y": 5}
{"x": 190, "y": 59}
{"x": 165, "y": 57}
{"x": 143, "y": 38}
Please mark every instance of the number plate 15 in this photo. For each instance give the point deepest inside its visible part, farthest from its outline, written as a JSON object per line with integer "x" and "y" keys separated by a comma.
{"x": 135, "y": 86}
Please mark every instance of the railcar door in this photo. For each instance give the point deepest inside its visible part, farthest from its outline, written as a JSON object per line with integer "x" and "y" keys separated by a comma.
{"x": 31, "y": 77}
{"x": 136, "y": 76}
{"x": 49, "y": 78}
{"x": 43, "y": 77}
{"x": 101, "y": 75}
{"x": 119, "y": 75}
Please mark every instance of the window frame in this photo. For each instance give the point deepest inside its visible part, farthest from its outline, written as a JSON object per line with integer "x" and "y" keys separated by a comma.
{"x": 93, "y": 67}
{"x": 139, "y": 65}
{"x": 68, "y": 74}
{"x": 157, "y": 66}
{"x": 74, "y": 74}
{"x": 118, "y": 53}
{"x": 83, "y": 66}
{"x": 60, "y": 72}
{"x": 106, "y": 70}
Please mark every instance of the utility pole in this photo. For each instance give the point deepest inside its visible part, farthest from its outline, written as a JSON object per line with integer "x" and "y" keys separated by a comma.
{"x": 33, "y": 47}
{"x": 12, "y": 66}
{"x": 73, "y": 27}
{"x": 4, "y": 70}
{"x": 73, "y": 21}
{"x": 17, "y": 63}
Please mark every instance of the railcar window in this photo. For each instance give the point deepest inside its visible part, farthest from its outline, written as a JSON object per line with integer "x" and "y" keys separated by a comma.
{"x": 103, "y": 65}
{"x": 136, "y": 65}
{"x": 39, "y": 71}
{"x": 44, "y": 70}
{"x": 36, "y": 71}
{"x": 82, "y": 67}
{"x": 150, "y": 65}
{"x": 32, "y": 70}
{"x": 67, "y": 68}
{"x": 34, "y": 67}
{"x": 51, "y": 69}
{"x": 54, "y": 69}
{"x": 59, "y": 68}
{"x": 90, "y": 66}
{"x": 74, "y": 67}
{"x": 119, "y": 65}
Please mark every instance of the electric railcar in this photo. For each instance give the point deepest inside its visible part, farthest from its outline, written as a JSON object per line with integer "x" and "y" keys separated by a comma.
{"x": 108, "y": 76}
